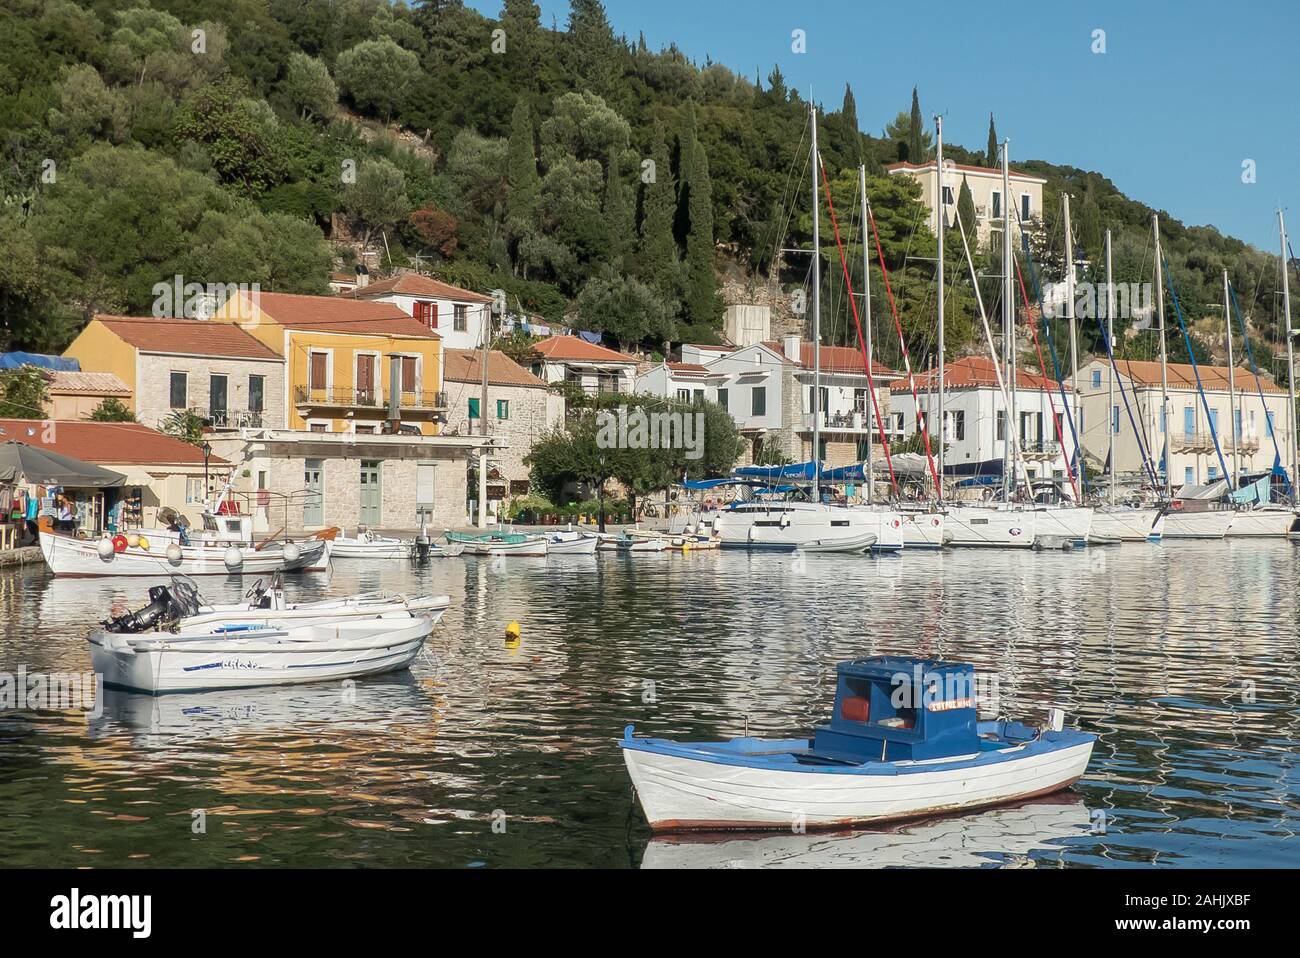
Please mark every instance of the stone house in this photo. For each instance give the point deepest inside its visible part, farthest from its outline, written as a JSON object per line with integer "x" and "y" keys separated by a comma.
{"x": 986, "y": 193}
{"x": 521, "y": 409}
{"x": 217, "y": 371}
{"x": 457, "y": 315}
{"x": 75, "y": 395}
{"x": 592, "y": 367}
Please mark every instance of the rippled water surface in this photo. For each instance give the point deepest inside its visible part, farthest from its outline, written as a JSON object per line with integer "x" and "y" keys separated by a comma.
{"x": 1182, "y": 657}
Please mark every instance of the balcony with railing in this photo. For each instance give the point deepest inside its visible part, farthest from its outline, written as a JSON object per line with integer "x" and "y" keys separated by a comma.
{"x": 1040, "y": 449}
{"x": 1193, "y": 442}
{"x": 411, "y": 404}
{"x": 856, "y": 422}
{"x": 229, "y": 418}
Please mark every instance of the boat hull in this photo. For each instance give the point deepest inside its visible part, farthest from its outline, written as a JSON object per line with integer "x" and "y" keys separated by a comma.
{"x": 785, "y": 526}
{"x": 682, "y": 790}
{"x": 1262, "y": 523}
{"x": 1128, "y": 524}
{"x": 924, "y": 530}
{"x": 991, "y": 527}
{"x": 577, "y": 546}
{"x": 1072, "y": 523}
{"x": 380, "y": 548}
{"x": 192, "y": 662}
{"x": 66, "y": 556}
{"x": 487, "y": 547}
{"x": 321, "y": 613}
{"x": 1213, "y": 524}
{"x": 852, "y": 545}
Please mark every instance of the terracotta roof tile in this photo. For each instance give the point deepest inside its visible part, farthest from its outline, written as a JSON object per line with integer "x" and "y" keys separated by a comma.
{"x": 106, "y": 443}
{"x": 974, "y": 372}
{"x": 1182, "y": 376}
{"x": 192, "y": 337}
{"x": 578, "y": 349}
{"x": 67, "y": 382}
{"x": 695, "y": 368}
{"x": 339, "y": 314}
{"x": 415, "y": 284}
{"x": 906, "y": 167}
{"x": 835, "y": 359}
{"x": 464, "y": 366}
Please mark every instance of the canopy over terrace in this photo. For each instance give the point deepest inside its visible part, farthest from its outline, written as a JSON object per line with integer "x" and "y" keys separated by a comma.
{"x": 23, "y": 464}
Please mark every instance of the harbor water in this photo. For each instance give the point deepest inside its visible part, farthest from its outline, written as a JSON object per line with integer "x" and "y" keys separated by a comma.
{"x": 1182, "y": 657}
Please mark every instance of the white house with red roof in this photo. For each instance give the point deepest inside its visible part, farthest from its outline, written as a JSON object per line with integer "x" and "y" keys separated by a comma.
{"x": 594, "y": 368}
{"x": 767, "y": 387}
{"x": 458, "y": 315}
{"x": 986, "y": 192}
{"x": 975, "y": 416}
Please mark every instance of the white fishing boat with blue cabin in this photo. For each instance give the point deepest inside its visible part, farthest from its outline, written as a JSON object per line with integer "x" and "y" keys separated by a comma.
{"x": 904, "y": 741}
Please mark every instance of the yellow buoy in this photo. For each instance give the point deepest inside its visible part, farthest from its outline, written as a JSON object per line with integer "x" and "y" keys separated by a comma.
{"x": 686, "y": 547}
{"x": 513, "y": 635}
{"x": 144, "y": 543}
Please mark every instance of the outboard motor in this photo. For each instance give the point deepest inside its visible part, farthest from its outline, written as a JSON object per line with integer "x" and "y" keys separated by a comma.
{"x": 422, "y": 541}
{"x": 160, "y": 610}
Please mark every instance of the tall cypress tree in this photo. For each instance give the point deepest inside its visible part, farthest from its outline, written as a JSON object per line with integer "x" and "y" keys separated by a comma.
{"x": 593, "y": 46}
{"x": 916, "y": 132}
{"x": 658, "y": 264}
{"x": 991, "y": 157}
{"x": 521, "y": 172}
{"x": 701, "y": 283}
{"x": 966, "y": 210}
{"x": 619, "y": 215}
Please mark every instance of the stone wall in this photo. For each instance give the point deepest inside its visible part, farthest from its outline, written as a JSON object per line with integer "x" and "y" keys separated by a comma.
{"x": 153, "y": 388}
{"x": 531, "y": 417}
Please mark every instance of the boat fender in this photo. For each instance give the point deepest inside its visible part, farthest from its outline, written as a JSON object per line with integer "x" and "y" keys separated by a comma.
{"x": 119, "y": 543}
{"x": 132, "y": 539}
{"x": 174, "y": 554}
{"x": 233, "y": 558}
{"x": 292, "y": 552}
{"x": 785, "y": 520}
{"x": 105, "y": 549}
{"x": 1176, "y": 505}
{"x": 142, "y": 542}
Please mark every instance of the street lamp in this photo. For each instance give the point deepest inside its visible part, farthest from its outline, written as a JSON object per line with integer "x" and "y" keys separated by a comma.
{"x": 206, "y": 449}
{"x": 600, "y": 492}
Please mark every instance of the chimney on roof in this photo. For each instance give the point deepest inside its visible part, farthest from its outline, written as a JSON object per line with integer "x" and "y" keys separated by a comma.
{"x": 363, "y": 275}
{"x": 791, "y": 348}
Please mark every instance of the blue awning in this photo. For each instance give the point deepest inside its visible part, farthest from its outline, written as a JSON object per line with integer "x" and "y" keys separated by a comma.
{"x": 798, "y": 470}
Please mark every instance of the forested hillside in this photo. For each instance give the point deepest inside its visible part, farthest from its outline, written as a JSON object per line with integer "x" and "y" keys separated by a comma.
{"x": 595, "y": 180}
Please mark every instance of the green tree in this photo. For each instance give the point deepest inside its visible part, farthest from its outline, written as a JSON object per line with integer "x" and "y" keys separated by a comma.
{"x": 620, "y": 217}
{"x": 702, "y": 304}
{"x": 991, "y": 152}
{"x": 524, "y": 182}
{"x": 111, "y": 409}
{"x": 658, "y": 264}
{"x": 377, "y": 74}
{"x": 377, "y": 200}
{"x": 623, "y": 308}
{"x": 237, "y": 131}
{"x": 966, "y": 210}
{"x": 309, "y": 88}
{"x": 917, "y": 148}
{"x": 23, "y": 393}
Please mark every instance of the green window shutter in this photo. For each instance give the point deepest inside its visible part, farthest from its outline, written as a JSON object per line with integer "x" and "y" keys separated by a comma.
{"x": 473, "y": 409}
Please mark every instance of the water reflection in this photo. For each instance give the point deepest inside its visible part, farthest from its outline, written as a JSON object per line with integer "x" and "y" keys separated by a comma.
{"x": 1033, "y": 834}
{"x": 1181, "y": 657}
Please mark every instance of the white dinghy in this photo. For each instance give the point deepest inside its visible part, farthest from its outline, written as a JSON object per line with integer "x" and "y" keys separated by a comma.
{"x": 904, "y": 742}
{"x": 368, "y": 545}
{"x": 571, "y": 542}
{"x": 245, "y": 656}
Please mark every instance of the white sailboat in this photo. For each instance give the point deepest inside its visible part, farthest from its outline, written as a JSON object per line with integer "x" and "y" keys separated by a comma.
{"x": 787, "y": 526}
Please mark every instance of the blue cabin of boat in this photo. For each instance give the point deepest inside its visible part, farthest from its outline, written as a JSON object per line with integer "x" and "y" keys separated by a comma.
{"x": 899, "y": 708}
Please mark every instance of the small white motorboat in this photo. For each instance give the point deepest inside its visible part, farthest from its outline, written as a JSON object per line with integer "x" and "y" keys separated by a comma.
{"x": 570, "y": 542}
{"x": 904, "y": 742}
{"x": 69, "y": 556}
{"x": 243, "y": 655}
{"x": 368, "y": 545}
{"x": 626, "y": 545}
{"x": 495, "y": 544}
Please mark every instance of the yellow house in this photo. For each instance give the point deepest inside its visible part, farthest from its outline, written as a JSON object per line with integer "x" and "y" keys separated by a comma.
{"x": 350, "y": 366}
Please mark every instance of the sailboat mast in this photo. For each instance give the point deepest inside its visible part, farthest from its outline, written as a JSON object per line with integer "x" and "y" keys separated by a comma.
{"x": 1069, "y": 304}
{"x": 1164, "y": 423}
{"x": 1008, "y": 323}
{"x": 1290, "y": 360}
{"x": 1232, "y": 387}
{"x": 942, "y": 212}
{"x": 866, "y": 302}
{"x": 816, "y": 314}
{"x": 1110, "y": 376}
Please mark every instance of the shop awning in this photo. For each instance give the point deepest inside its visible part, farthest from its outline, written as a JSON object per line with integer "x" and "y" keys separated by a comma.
{"x": 21, "y": 463}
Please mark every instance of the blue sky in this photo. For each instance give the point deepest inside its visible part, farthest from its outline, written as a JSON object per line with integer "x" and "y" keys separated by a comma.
{"x": 1185, "y": 92}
